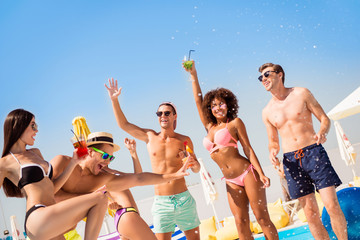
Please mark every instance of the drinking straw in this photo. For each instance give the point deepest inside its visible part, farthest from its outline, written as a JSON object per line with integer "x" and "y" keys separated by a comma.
{"x": 190, "y": 53}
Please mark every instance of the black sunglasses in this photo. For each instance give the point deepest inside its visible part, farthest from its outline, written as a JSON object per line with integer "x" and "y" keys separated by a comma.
{"x": 160, "y": 113}
{"x": 266, "y": 74}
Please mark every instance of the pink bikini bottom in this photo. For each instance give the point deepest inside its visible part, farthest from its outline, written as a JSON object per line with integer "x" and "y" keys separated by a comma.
{"x": 240, "y": 179}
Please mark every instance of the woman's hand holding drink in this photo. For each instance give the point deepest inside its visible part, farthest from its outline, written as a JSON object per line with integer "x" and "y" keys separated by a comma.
{"x": 79, "y": 144}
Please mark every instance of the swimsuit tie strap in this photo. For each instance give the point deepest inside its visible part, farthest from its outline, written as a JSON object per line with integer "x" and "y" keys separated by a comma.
{"x": 299, "y": 154}
{"x": 174, "y": 200}
{"x": 252, "y": 169}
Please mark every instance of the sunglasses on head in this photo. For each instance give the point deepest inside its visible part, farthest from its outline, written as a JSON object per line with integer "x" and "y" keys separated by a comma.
{"x": 266, "y": 74}
{"x": 160, "y": 113}
{"x": 105, "y": 155}
{"x": 34, "y": 126}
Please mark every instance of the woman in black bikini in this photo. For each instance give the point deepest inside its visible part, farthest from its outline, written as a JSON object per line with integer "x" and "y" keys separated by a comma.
{"x": 25, "y": 173}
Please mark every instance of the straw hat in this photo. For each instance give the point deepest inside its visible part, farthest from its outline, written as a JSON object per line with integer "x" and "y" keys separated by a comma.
{"x": 101, "y": 137}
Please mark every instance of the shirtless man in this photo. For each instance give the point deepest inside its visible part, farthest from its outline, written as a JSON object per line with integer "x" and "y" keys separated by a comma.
{"x": 164, "y": 148}
{"x": 93, "y": 172}
{"x": 306, "y": 162}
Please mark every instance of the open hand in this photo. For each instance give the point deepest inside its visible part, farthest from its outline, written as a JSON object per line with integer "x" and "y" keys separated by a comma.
{"x": 182, "y": 172}
{"x": 113, "y": 89}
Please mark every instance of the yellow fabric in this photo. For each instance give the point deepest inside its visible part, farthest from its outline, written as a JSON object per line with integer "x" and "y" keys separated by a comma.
{"x": 301, "y": 213}
{"x": 111, "y": 212}
{"x": 356, "y": 181}
{"x": 229, "y": 231}
{"x": 278, "y": 216}
{"x": 72, "y": 235}
{"x": 208, "y": 229}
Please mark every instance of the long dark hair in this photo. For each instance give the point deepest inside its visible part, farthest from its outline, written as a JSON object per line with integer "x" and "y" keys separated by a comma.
{"x": 14, "y": 126}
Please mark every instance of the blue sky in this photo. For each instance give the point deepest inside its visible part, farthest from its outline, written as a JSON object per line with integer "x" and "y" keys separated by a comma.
{"x": 55, "y": 57}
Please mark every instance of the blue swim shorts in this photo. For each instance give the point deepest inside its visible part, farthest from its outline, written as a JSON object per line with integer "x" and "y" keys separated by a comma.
{"x": 178, "y": 209}
{"x": 307, "y": 169}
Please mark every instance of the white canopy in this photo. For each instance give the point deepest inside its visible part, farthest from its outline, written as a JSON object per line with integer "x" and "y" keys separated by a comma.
{"x": 347, "y": 107}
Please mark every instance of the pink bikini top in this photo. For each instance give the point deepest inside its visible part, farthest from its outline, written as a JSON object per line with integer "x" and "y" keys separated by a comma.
{"x": 222, "y": 139}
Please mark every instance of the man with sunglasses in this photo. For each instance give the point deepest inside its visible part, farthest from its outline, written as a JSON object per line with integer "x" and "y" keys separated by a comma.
{"x": 93, "y": 172}
{"x": 173, "y": 204}
{"x": 306, "y": 163}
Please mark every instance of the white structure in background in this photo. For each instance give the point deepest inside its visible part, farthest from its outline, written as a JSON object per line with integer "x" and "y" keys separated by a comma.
{"x": 208, "y": 186}
{"x": 16, "y": 233}
{"x": 347, "y": 107}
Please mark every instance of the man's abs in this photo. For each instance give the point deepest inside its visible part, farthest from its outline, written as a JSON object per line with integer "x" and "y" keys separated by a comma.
{"x": 294, "y": 140}
{"x": 171, "y": 187}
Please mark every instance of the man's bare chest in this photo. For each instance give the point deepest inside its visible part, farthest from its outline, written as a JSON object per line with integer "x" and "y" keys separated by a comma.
{"x": 281, "y": 113}
{"x": 81, "y": 184}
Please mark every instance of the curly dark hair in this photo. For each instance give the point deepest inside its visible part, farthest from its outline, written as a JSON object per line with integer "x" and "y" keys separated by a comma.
{"x": 220, "y": 93}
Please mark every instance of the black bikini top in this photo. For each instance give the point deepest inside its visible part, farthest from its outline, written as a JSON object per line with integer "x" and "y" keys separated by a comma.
{"x": 32, "y": 173}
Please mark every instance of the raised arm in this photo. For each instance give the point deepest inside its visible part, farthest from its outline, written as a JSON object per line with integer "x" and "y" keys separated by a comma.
{"x": 133, "y": 130}
{"x": 131, "y": 146}
{"x": 319, "y": 113}
{"x": 273, "y": 138}
{"x": 248, "y": 150}
{"x": 197, "y": 92}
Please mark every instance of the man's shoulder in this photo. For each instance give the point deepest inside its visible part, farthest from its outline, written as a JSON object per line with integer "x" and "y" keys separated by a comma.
{"x": 181, "y": 136}
{"x": 300, "y": 90}
{"x": 61, "y": 159}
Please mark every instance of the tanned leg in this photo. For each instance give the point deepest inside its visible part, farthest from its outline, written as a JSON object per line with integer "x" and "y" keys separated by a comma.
{"x": 311, "y": 210}
{"x": 337, "y": 218}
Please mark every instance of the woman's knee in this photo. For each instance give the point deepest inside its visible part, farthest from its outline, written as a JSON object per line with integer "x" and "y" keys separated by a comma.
{"x": 242, "y": 222}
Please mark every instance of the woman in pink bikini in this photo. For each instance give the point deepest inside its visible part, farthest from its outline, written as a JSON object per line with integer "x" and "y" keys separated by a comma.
{"x": 245, "y": 179}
